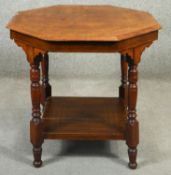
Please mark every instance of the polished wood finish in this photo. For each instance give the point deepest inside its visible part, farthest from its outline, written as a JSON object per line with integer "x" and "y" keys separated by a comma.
{"x": 84, "y": 118}
{"x": 80, "y": 46}
{"x": 84, "y": 29}
{"x": 132, "y": 138}
{"x": 46, "y": 87}
{"x": 83, "y": 23}
{"x": 123, "y": 89}
{"x": 36, "y": 134}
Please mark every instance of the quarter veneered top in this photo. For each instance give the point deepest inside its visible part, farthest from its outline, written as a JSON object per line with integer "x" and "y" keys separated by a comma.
{"x": 83, "y": 23}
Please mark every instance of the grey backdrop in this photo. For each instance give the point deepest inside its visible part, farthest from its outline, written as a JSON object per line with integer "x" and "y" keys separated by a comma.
{"x": 86, "y": 75}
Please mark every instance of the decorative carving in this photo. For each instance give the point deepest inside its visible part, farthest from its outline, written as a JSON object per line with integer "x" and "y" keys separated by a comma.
{"x": 34, "y": 57}
{"x": 135, "y": 53}
{"x": 132, "y": 133}
{"x": 36, "y": 133}
{"x": 128, "y": 92}
{"x": 31, "y": 52}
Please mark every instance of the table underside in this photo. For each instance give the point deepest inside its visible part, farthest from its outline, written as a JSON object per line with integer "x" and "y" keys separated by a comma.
{"x": 84, "y": 118}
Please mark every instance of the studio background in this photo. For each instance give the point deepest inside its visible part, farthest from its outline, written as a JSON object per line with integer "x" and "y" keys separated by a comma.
{"x": 86, "y": 75}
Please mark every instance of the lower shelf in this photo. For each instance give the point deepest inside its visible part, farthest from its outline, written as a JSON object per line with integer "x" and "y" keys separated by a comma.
{"x": 84, "y": 118}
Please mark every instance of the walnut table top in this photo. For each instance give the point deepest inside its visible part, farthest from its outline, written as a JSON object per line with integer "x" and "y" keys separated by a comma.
{"x": 83, "y": 23}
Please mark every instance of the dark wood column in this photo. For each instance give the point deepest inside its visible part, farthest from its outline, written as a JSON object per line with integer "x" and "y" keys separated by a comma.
{"x": 132, "y": 129}
{"x": 36, "y": 122}
{"x": 123, "y": 89}
{"x": 46, "y": 87}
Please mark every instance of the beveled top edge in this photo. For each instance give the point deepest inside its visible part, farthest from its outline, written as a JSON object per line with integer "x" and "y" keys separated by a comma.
{"x": 146, "y": 30}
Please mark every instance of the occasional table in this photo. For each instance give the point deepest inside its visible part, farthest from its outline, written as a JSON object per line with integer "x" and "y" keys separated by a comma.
{"x": 69, "y": 28}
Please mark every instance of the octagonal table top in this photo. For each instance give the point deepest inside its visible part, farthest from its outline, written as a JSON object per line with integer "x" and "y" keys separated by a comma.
{"x": 83, "y": 23}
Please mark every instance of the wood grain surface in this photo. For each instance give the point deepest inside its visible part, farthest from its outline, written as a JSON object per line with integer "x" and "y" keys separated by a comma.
{"x": 84, "y": 118}
{"x": 83, "y": 23}
{"x": 84, "y": 29}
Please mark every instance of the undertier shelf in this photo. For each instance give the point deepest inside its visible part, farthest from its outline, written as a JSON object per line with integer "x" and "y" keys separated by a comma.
{"x": 84, "y": 118}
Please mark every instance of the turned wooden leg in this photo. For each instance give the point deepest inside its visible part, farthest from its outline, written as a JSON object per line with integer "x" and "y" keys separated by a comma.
{"x": 123, "y": 89}
{"x": 132, "y": 129}
{"x": 36, "y": 134}
{"x": 46, "y": 87}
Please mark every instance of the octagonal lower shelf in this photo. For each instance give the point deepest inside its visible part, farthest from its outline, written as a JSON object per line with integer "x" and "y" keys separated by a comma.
{"x": 84, "y": 118}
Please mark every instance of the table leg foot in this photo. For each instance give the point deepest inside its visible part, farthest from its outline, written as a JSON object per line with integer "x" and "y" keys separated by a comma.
{"x": 132, "y": 165}
{"x": 132, "y": 152}
{"x": 37, "y": 152}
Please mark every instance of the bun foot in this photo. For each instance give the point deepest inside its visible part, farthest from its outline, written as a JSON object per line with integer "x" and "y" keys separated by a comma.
{"x": 37, "y": 157}
{"x": 37, "y": 164}
{"x": 132, "y": 165}
{"x": 132, "y": 152}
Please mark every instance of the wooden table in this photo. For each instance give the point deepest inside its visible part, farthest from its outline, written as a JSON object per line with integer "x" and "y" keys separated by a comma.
{"x": 83, "y": 29}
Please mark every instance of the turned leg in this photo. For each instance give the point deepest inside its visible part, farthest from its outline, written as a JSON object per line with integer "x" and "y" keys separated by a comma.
{"x": 132, "y": 129}
{"x": 46, "y": 87}
{"x": 36, "y": 133}
{"x": 124, "y": 79}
